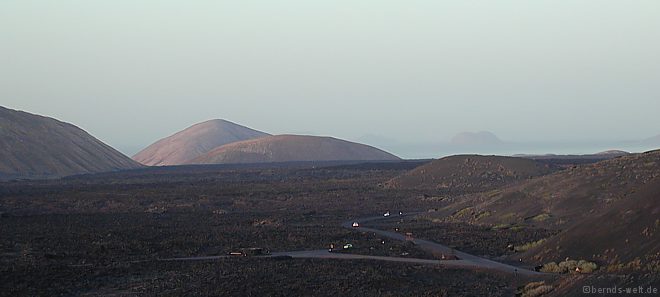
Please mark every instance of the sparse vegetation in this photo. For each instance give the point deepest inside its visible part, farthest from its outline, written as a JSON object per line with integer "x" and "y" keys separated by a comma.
{"x": 482, "y": 215}
{"x": 525, "y": 247}
{"x": 463, "y": 212}
{"x": 470, "y": 173}
{"x": 535, "y": 289}
{"x": 104, "y": 235}
{"x": 102, "y": 224}
{"x": 540, "y": 218}
{"x": 501, "y": 226}
{"x": 249, "y": 277}
{"x": 570, "y": 266}
{"x": 475, "y": 239}
{"x": 508, "y": 216}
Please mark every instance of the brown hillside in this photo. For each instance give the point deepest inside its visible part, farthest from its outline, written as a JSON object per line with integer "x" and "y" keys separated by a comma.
{"x": 628, "y": 229}
{"x": 193, "y": 142}
{"x": 33, "y": 146}
{"x": 607, "y": 210}
{"x": 287, "y": 148}
{"x": 470, "y": 173}
{"x": 566, "y": 196}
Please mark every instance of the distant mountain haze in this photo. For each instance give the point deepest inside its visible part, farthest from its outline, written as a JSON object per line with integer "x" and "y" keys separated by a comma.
{"x": 193, "y": 142}
{"x": 653, "y": 141}
{"x": 604, "y": 155}
{"x": 33, "y": 146}
{"x": 482, "y": 138}
{"x": 289, "y": 148}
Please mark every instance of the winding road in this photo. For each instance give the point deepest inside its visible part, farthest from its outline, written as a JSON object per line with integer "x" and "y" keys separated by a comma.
{"x": 465, "y": 260}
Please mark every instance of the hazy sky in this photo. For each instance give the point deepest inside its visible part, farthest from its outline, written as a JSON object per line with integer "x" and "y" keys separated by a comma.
{"x": 132, "y": 71}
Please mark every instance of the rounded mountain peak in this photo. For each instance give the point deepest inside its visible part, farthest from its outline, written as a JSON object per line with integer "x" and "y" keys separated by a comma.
{"x": 194, "y": 141}
{"x": 292, "y": 148}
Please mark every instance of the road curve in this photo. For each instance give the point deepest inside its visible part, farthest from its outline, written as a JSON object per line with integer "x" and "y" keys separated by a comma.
{"x": 465, "y": 260}
{"x": 430, "y": 246}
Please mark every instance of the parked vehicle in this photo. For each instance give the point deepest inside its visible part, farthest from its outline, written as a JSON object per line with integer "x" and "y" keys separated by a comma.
{"x": 245, "y": 252}
{"x": 448, "y": 257}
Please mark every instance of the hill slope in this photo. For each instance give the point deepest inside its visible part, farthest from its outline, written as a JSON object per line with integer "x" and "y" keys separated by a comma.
{"x": 607, "y": 210}
{"x": 33, "y": 146}
{"x": 289, "y": 148}
{"x": 470, "y": 173}
{"x": 628, "y": 229}
{"x": 193, "y": 142}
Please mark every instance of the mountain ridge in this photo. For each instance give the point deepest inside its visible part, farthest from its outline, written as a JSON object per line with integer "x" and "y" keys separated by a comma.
{"x": 36, "y": 146}
{"x": 285, "y": 148}
{"x": 470, "y": 173}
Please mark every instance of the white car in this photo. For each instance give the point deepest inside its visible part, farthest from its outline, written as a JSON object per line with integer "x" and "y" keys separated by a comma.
{"x": 387, "y": 214}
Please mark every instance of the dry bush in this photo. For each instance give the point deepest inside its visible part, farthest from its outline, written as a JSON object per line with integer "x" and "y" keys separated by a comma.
{"x": 551, "y": 267}
{"x": 530, "y": 245}
{"x": 586, "y": 266}
{"x": 535, "y": 289}
{"x": 570, "y": 266}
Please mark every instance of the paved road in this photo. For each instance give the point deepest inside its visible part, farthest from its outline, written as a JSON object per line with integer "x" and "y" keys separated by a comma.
{"x": 465, "y": 260}
{"x": 324, "y": 254}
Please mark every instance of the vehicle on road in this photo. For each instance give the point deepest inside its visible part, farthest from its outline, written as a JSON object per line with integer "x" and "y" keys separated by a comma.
{"x": 356, "y": 224}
